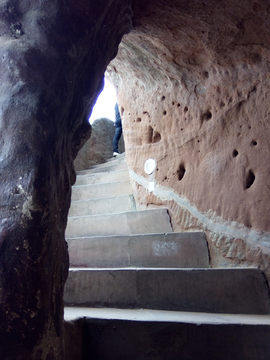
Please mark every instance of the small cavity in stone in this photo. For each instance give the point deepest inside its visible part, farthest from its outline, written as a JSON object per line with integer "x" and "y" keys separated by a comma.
{"x": 206, "y": 74}
{"x": 250, "y": 178}
{"x": 207, "y": 115}
{"x": 156, "y": 137}
{"x": 235, "y": 153}
{"x": 181, "y": 172}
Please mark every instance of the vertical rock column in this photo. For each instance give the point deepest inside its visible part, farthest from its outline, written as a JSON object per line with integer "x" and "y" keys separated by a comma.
{"x": 52, "y": 58}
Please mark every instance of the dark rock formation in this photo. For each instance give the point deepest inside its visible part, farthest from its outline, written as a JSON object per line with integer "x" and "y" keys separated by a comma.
{"x": 99, "y": 147}
{"x": 53, "y": 56}
{"x": 193, "y": 88}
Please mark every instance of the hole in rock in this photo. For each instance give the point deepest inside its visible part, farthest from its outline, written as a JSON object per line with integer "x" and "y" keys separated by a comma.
{"x": 17, "y": 190}
{"x": 181, "y": 172}
{"x": 254, "y": 142}
{"x": 250, "y": 178}
{"x": 206, "y": 74}
{"x": 163, "y": 98}
{"x": 139, "y": 120}
{"x": 150, "y": 134}
{"x": 178, "y": 105}
{"x": 164, "y": 112}
{"x": 156, "y": 137}
{"x": 235, "y": 153}
{"x": 207, "y": 115}
{"x": 222, "y": 104}
{"x": 165, "y": 178}
{"x": 172, "y": 103}
{"x": 186, "y": 109}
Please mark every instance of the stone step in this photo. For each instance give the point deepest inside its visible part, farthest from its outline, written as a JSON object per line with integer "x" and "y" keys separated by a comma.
{"x": 230, "y": 290}
{"x": 158, "y": 335}
{"x": 83, "y": 192}
{"x": 177, "y": 250}
{"x": 128, "y": 223}
{"x": 115, "y": 164}
{"x": 103, "y": 177}
{"x": 108, "y": 205}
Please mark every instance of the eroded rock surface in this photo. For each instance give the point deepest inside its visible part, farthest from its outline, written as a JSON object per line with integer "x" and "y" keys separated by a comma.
{"x": 99, "y": 147}
{"x": 51, "y": 72}
{"x": 193, "y": 88}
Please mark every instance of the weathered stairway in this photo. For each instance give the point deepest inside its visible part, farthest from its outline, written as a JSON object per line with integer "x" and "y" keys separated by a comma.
{"x": 139, "y": 291}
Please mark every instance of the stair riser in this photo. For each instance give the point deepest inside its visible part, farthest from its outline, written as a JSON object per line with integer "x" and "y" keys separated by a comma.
{"x": 136, "y": 340}
{"x": 102, "y": 177}
{"x": 85, "y": 192}
{"x": 141, "y": 222}
{"x": 109, "y": 205}
{"x": 168, "y": 251}
{"x": 104, "y": 168}
{"x": 209, "y": 290}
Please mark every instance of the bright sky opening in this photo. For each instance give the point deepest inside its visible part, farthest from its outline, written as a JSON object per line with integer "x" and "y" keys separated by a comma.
{"x": 104, "y": 106}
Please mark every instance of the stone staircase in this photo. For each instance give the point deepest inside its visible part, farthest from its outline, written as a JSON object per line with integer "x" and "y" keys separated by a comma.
{"x": 136, "y": 290}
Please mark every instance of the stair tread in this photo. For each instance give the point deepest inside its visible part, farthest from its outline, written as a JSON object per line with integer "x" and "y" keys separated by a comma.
{"x": 116, "y": 214}
{"x": 220, "y": 290}
{"x": 146, "y": 250}
{"x": 83, "y": 186}
{"x": 99, "y": 178}
{"x": 125, "y": 223}
{"x": 72, "y": 313}
{"x": 102, "y": 198}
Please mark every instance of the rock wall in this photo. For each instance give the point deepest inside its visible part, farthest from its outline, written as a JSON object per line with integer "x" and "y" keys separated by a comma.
{"x": 99, "y": 147}
{"x": 193, "y": 89}
{"x": 53, "y": 56}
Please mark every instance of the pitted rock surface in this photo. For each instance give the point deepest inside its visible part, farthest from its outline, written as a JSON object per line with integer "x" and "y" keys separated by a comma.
{"x": 193, "y": 88}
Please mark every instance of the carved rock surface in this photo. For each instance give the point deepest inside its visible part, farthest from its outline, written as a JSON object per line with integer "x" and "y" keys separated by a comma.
{"x": 193, "y": 88}
{"x": 51, "y": 71}
{"x": 99, "y": 147}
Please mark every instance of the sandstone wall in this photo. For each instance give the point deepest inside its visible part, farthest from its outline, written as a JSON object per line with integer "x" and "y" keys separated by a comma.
{"x": 193, "y": 88}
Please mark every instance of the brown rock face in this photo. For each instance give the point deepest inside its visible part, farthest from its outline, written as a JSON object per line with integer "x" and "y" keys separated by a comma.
{"x": 193, "y": 87}
{"x": 99, "y": 147}
{"x": 53, "y": 56}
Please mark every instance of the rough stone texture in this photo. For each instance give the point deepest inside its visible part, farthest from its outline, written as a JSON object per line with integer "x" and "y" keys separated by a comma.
{"x": 193, "y": 89}
{"x": 51, "y": 71}
{"x": 99, "y": 147}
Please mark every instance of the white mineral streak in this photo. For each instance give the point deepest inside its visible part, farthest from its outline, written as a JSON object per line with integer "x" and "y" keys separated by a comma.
{"x": 209, "y": 220}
